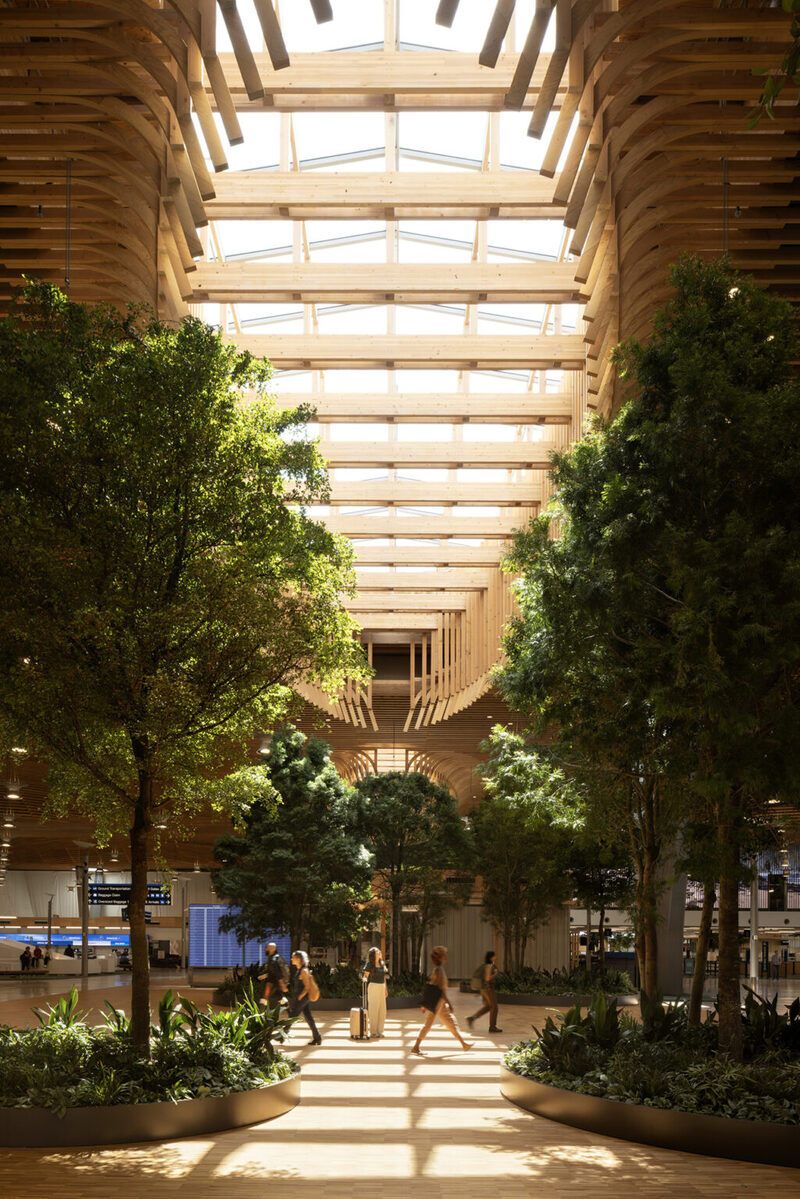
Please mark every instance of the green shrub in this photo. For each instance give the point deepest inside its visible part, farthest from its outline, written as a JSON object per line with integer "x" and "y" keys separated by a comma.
{"x": 194, "y": 1054}
{"x": 664, "y": 1062}
{"x": 530, "y": 981}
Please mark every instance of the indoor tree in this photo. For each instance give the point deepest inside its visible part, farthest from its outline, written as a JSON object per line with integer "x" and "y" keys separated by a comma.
{"x": 602, "y": 876}
{"x": 578, "y": 669}
{"x": 684, "y": 516}
{"x": 162, "y": 585}
{"x": 298, "y": 863}
{"x": 522, "y": 830}
{"x": 420, "y": 848}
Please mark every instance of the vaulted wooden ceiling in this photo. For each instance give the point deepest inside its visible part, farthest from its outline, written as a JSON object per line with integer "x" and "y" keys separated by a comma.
{"x": 117, "y": 122}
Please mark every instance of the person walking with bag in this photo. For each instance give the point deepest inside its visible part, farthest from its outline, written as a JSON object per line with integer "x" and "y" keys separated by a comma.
{"x": 303, "y": 991}
{"x": 276, "y": 975}
{"x": 485, "y": 977}
{"x": 435, "y": 1003}
{"x": 375, "y": 976}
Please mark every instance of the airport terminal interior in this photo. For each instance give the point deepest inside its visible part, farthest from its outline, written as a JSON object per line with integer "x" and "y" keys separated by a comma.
{"x": 422, "y": 713}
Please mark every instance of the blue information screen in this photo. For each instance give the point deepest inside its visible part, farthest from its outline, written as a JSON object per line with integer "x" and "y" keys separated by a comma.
{"x": 59, "y": 940}
{"x": 210, "y": 947}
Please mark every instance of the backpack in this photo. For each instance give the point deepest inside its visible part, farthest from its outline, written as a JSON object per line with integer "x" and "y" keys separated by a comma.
{"x": 477, "y": 982}
{"x": 312, "y": 987}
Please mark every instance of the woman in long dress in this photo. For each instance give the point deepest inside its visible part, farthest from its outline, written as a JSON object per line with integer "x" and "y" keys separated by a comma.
{"x": 375, "y": 976}
{"x": 435, "y": 1003}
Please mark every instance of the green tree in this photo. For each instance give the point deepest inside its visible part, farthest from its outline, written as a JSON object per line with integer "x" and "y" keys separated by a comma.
{"x": 578, "y": 667}
{"x": 421, "y": 851}
{"x": 602, "y": 876}
{"x": 523, "y": 829}
{"x": 685, "y": 512}
{"x": 299, "y": 864}
{"x": 705, "y": 463}
{"x": 162, "y": 586}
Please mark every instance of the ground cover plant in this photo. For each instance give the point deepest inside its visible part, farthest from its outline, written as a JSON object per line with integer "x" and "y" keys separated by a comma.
{"x": 663, "y": 1061}
{"x": 530, "y": 981}
{"x": 65, "y": 1063}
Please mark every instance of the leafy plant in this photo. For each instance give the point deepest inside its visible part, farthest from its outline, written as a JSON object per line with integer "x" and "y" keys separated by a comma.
{"x": 61, "y": 1014}
{"x": 63, "y": 1063}
{"x": 662, "y": 1021}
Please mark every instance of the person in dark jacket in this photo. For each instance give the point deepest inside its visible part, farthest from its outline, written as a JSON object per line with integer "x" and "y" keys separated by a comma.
{"x": 276, "y": 975}
{"x": 25, "y": 958}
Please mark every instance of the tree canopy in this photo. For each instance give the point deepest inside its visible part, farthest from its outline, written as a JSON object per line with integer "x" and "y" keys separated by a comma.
{"x": 162, "y": 585}
{"x": 676, "y": 577}
{"x": 299, "y": 864}
{"x": 523, "y": 830}
{"x": 421, "y": 853}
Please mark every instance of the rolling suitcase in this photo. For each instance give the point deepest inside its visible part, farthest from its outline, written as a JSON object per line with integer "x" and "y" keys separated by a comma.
{"x": 359, "y": 1018}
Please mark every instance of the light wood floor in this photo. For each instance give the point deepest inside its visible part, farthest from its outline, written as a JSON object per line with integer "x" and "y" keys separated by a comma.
{"x": 377, "y": 1124}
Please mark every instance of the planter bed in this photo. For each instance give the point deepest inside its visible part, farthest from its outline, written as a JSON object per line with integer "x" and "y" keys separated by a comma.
{"x": 532, "y": 999}
{"x": 689, "y": 1132}
{"x": 126, "y": 1123}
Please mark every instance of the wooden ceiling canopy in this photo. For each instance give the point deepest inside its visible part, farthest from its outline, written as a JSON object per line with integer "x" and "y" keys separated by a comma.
{"x": 653, "y": 152}
{"x": 113, "y": 174}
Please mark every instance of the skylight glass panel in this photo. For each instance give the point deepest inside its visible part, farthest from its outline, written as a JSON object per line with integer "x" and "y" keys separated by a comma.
{"x": 249, "y": 237}
{"x": 428, "y": 432}
{"x": 364, "y": 381}
{"x": 352, "y": 319}
{"x": 428, "y": 320}
{"x": 355, "y": 23}
{"x": 358, "y": 431}
{"x": 261, "y": 147}
{"x": 489, "y": 432}
{"x": 424, "y": 382}
{"x": 456, "y": 134}
{"x": 321, "y": 135}
{"x": 418, "y": 26}
{"x": 426, "y": 474}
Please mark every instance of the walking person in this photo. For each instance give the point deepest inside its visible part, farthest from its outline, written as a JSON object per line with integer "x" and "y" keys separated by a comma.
{"x": 486, "y": 976}
{"x": 276, "y": 973}
{"x": 775, "y": 962}
{"x": 303, "y": 991}
{"x": 435, "y": 1003}
{"x": 375, "y": 976}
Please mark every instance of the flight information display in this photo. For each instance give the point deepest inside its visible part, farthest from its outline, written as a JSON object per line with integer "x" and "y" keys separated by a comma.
{"x": 113, "y": 893}
{"x": 210, "y": 947}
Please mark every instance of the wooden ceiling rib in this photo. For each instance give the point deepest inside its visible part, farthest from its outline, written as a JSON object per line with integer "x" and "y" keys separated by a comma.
{"x": 116, "y": 118}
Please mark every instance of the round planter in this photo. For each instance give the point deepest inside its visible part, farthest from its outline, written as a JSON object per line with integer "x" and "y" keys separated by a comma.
{"x": 689, "y": 1132}
{"x": 393, "y": 1003}
{"x": 126, "y": 1123}
{"x": 531, "y": 999}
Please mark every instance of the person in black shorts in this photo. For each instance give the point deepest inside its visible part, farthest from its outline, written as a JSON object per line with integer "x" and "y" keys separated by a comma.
{"x": 435, "y": 1003}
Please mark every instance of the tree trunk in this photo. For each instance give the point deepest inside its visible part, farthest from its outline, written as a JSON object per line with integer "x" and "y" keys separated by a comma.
{"x": 701, "y": 953}
{"x": 730, "y": 1018}
{"x": 649, "y": 917}
{"x": 140, "y": 961}
{"x": 396, "y": 932}
{"x": 601, "y": 941}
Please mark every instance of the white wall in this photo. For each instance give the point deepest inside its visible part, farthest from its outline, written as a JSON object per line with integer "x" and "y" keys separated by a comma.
{"x": 26, "y": 893}
{"x": 468, "y": 936}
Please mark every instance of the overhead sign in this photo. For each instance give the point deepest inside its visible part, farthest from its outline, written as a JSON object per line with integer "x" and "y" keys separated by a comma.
{"x": 120, "y": 893}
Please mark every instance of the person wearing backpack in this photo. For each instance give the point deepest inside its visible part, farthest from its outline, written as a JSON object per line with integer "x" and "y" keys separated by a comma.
{"x": 303, "y": 991}
{"x": 276, "y": 974}
{"x": 483, "y": 981}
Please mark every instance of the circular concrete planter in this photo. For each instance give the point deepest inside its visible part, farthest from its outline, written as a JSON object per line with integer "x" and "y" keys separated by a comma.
{"x": 531, "y": 999}
{"x": 715, "y": 1136}
{"x": 126, "y": 1123}
{"x": 393, "y": 1003}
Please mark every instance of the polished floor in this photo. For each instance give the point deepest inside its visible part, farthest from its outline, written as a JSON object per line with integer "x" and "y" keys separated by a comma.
{"x": 375, "y": 1123}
